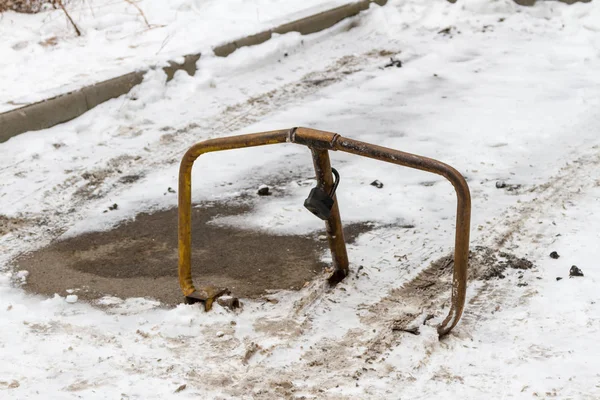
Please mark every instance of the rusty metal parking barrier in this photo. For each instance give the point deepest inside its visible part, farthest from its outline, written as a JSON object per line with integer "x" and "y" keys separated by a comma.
{"x": 322, "y": 202}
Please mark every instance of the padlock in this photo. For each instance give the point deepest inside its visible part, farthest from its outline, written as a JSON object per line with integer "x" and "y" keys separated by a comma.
{"x": 319, "y": 202}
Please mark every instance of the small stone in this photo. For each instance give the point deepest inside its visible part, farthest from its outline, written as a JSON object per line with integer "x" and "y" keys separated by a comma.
{"x": 72, "y": 298}
{"x": 393, "y": 63}
{"x": 377, "y": 184}
{"x": 575, "y": 271}
{"x": 558, "y": 278}
{"x": 446, "y": 31}
{"x": 220, "y": 334}
{"x": 523, "y": 284}
{"x": 500, "y": 184}
{"x": 229, "y": 302}
{"x": 113, "y": 207}
{"x": 180, "y": 388}
{"x": 263, "y": 190}
{"x": 554, "y": 255}
{"x": 322, "y": 237}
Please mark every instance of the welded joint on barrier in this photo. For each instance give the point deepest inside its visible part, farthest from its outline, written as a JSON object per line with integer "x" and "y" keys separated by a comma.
{"x": 291, "y": 135}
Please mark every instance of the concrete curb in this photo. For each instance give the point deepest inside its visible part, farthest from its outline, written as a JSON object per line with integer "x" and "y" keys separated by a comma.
{"x": 530, "y": 3}
{"x": 305, "y": 26}
{"x": 56, "y": 110}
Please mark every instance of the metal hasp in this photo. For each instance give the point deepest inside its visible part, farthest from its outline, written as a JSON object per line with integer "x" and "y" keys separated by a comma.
{"x": 320, "y": 143}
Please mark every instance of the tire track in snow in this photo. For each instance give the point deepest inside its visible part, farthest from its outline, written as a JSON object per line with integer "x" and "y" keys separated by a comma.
{"x": 571, "y": 182}
{"x": 484, "y": 300}
{"x": 339, "y": 362}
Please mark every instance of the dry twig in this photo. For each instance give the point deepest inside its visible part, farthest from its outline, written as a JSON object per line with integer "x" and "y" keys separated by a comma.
{"x": 61, "y": 5}
{"x": 141, "y": 12}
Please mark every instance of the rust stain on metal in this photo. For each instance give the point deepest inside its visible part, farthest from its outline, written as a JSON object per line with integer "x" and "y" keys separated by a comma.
{"x": 320, "y": 142}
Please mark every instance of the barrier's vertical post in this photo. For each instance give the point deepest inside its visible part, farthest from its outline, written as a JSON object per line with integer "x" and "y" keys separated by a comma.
{"x": 335, "y": 233}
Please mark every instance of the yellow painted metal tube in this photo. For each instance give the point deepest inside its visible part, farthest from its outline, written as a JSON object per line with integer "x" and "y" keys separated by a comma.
{"x": 185, "y": 191}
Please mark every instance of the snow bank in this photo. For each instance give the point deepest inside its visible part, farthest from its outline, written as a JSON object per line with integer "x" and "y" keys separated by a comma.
{"x": 42, "y": 57}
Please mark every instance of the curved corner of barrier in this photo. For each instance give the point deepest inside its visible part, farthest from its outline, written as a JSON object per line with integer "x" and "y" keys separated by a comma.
{"x": 206, "y": 293}
{"x": 461, "y": 252}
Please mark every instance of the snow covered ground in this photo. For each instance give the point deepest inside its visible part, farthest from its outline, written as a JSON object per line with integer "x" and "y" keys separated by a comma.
{"x": 500, "y": 92}
{"x": 41, "y": 56}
